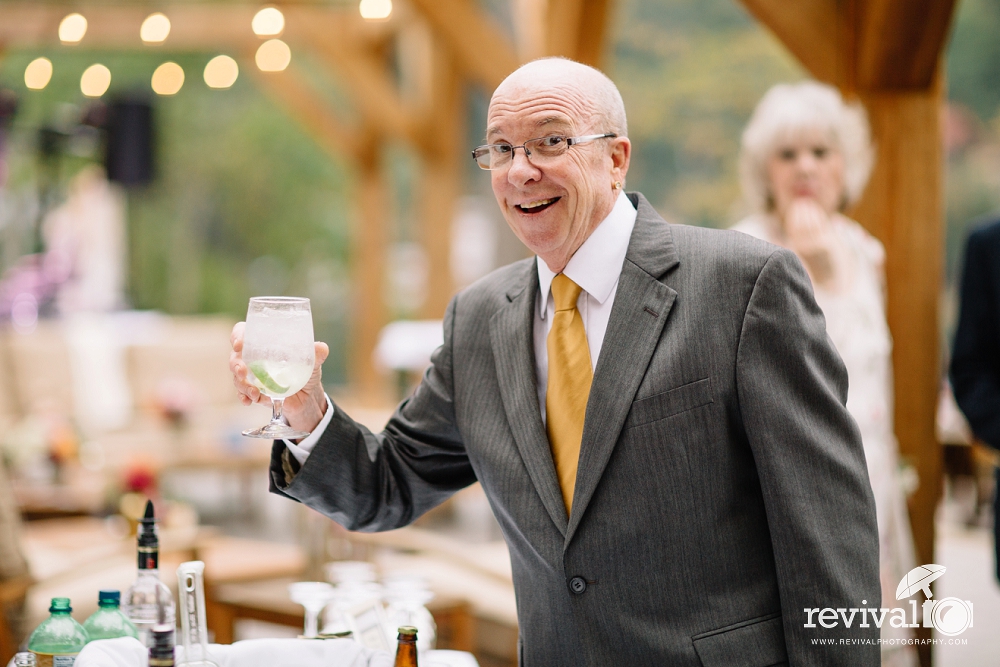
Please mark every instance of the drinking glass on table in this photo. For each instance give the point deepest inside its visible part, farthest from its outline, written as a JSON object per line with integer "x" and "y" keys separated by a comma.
{"x": 279, "y": 353}
{"x": 313, "y": 595}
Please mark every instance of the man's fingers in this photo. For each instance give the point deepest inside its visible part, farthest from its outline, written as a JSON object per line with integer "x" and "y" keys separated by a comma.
{"x": 322, "y": 352}
{"x": 236, "y": 337}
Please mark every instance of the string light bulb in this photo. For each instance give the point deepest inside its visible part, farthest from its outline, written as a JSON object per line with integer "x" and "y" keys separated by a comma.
{"x": 268, "y": 22}
{"x": 375, "y": 10}
{"x": 72, "y": 28}
{"x": 95, "y": 80}
{"x": 168, "y": 79}
{"x": 221, "y": 72}
{"x": 273, "y": 56}
{"x": 38, "y": 73}
{"x": 155, "y": 28}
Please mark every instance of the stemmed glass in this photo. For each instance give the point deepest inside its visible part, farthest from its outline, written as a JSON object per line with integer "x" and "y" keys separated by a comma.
{"x": 313, "y": 595}
{"x": 279, "y": 352}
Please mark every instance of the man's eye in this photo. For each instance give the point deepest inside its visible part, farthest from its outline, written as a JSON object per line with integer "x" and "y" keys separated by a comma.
{"x": 553, "y": 141}
{"x": 502, "y": 149}
{"x": 787, "y": 154}
{"x": 820, "y": 152}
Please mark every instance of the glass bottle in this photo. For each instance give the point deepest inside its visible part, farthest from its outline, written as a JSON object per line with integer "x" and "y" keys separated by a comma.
{"x": 108, "y": 622}
{"x": 161, "y": 649}
{"x": 58, "y": 640}
{"x": 25, "y": 659}
{"x": 148, "y": 601}
{"x": 406, "y": 651}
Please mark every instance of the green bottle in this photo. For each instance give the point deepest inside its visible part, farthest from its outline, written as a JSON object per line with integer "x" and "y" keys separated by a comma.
{"x": 109, "y": 622}
{"x": 58, "y": 640}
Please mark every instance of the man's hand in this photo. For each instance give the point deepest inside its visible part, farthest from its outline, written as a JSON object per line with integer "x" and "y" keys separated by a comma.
{"x": 303, "y": 410}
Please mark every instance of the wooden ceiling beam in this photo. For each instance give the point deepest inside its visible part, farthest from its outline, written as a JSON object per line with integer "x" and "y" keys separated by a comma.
{"x": 481, "y": 48}
{"x": 810, "y": 29}
{"x": 562, "y": 23}
{"x": 290, "y": 90}
{"x": 900, "y": 42}
{"x": 578, "y": 29}
{"x": 594, "y": 29}
{"x": 370, "y": 85}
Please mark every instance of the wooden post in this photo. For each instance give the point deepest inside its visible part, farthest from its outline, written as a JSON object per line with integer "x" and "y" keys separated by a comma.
{"x": 903, "y": 207}
{"x": 440, "y": 180}
{"x": 370, "y": 241}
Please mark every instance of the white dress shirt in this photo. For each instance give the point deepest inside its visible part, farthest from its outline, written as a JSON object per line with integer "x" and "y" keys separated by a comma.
{"x": 595, "y": 267}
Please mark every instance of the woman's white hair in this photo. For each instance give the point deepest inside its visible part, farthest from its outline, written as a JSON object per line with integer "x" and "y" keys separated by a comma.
{"x": 787, "y": 111}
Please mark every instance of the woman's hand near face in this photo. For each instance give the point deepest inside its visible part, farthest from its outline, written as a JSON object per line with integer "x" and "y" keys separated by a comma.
{"x": 809, "y": 233}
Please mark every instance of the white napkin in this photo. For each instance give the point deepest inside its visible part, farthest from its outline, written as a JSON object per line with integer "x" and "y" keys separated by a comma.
{"x": 121, "y": 652}
{"x": 128, "y": 652}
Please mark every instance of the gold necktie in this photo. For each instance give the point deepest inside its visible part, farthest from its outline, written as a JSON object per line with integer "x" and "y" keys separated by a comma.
{"x": 570, "y": 375}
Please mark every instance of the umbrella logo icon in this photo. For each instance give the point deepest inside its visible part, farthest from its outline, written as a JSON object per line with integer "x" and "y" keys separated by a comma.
{"x": 919, "y": 578}
{"x": 949, "y": 616}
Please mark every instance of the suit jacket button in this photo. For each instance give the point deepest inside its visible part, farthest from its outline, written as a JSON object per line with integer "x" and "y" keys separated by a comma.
{"x": 578, "y": 585}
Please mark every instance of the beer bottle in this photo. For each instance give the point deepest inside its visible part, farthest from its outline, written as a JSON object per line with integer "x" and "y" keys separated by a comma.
{"x": 406, "y": 651}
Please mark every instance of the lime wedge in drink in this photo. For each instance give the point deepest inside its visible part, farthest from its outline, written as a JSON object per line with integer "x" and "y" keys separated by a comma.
{"x": 257, "y": 368}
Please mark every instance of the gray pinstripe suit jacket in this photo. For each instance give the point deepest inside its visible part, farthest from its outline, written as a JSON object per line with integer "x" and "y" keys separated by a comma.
{"x": 721, "y": 489}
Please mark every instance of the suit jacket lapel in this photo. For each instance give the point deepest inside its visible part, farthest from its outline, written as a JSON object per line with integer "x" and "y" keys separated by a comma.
{"x": 513, "y": 348}
{"x": 642, "y": 305}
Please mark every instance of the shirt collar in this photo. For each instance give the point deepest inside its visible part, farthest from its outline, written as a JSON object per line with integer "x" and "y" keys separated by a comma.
{"x": 596, "y": 264}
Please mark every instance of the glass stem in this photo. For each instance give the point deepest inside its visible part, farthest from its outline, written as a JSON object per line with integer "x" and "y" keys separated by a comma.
{"x": 276, "y": 405}
{"x": 312, "y": 623}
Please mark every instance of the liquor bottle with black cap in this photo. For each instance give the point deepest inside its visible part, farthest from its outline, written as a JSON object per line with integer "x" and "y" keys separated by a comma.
{"x": 406, "y": 650}
{"x": 148, "y": 601}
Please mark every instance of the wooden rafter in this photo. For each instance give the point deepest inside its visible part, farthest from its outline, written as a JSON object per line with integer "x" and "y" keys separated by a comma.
{"x": 900, "y": 42}
{"x": 479, "y": 44}
{"x": 299, "y": 98}
{"x": 375, "y": 94}
{"x": 595, "y": 24}
{"x": 808, "y": 28}
{"x": 562, "y": 23}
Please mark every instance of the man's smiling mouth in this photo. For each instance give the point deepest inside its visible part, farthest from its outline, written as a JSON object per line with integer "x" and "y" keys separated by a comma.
{"x": 536, "y": 206}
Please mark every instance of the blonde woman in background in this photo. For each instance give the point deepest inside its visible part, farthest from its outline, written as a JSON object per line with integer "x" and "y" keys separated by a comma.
{"x": 806, "y": 156}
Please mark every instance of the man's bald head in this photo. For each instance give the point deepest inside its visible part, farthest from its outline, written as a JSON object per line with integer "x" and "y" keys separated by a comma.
{"x": 546, "y": 74}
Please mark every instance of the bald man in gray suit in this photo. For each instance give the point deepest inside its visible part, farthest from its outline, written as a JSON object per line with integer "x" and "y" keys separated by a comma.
{"x": 720, "y": 490}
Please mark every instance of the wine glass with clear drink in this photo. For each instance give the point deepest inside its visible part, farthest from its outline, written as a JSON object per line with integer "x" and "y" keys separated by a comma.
{"x": 279, "y": 352}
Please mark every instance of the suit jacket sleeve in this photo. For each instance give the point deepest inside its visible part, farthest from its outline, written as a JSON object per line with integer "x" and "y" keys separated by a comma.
{"x": 371, "y": 482}
{"x": 820, "y": 509}
{"x": 975, "y": 363}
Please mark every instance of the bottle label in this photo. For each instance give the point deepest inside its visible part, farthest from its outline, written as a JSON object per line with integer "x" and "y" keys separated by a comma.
{"x": 161, "y": 662}
{"x": 54, "y": 660}
{"x": 149, "y": 558}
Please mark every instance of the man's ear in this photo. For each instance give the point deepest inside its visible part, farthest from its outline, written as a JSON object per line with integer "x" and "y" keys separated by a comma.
{"x": 621, "y": 154}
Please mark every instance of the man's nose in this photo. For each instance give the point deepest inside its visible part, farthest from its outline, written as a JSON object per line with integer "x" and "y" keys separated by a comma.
{"x": 521, "y": 169}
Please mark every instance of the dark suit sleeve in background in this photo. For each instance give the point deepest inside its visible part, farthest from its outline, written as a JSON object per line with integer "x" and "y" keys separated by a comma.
{"x": 371, "y": 482}
{"x": 975, "y": 363}
{"x": 820, "y": 509}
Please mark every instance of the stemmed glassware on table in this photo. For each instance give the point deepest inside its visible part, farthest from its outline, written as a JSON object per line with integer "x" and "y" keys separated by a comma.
{"x": 313, "y": 595}
{"x": 279, "y": 352}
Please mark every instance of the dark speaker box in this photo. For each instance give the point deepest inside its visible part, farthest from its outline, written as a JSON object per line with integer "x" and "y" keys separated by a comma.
{"x": 129, "y": 156}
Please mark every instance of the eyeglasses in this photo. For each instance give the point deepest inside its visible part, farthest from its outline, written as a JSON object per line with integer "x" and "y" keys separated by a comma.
{"x": 538, "y": 151}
